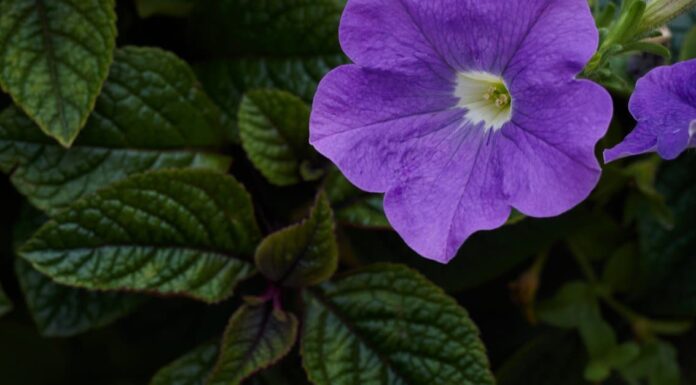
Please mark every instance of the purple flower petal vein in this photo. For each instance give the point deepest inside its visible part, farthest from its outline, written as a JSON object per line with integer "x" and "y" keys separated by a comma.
{"x": 459, "y": 110}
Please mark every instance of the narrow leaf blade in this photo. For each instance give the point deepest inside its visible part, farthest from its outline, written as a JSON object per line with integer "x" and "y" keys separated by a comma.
{"x": 256, "y": 337}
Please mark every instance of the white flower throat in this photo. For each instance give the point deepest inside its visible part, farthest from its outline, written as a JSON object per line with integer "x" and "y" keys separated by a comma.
{"x": 485, "y": 97}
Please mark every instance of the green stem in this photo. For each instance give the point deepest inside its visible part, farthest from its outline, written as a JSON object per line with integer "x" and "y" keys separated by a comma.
{"x": 643, "y": 326}
{"x": 586, "y": 268}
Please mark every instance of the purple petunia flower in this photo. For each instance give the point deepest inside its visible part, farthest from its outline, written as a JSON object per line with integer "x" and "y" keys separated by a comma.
{"x": 664, "y": 104}
{"x": 460, "y": 110}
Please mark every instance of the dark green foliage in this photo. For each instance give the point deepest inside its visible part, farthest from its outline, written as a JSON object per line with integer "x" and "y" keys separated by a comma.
{"x": 668, "y": 259}
{"x": 63, "y": 311}
{"x": 273, "y": 128}
{"x": 54, "y": 57}
{"x": 304, "y": 254}
{"x": 191, "y": 369}
{"x": 141, "y": 122}
{"x": 227, "y": 80}
{"x": 256, "y": 337}
{"x": 169, "y": 232}
{"x": 386, "y": 324}
{"x": 165, "y": 221}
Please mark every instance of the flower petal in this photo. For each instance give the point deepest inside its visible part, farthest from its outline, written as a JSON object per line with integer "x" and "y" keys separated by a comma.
{"x": 373, "y": 123}
{"x": 466, "y": 35}
{"x": 640, "y": 141}
{"x": 454, "y": 195}
{"x": 547, "y": 153}
{"x": 664, "y": 104}
{"x": 556, "y": 47}
{"x": 391, "y": 122}
{"x": 385, "y": 34}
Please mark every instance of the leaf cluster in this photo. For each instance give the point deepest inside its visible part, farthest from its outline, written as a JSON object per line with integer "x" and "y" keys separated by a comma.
{"x": 165, "y": 220}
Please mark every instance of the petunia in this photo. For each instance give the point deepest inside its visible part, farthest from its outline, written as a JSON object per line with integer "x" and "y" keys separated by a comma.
{"x": 664, "y": 104}
{"x": 460, "y": 110}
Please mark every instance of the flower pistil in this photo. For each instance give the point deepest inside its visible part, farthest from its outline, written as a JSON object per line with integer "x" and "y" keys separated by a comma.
{"x": 486, "y": 99}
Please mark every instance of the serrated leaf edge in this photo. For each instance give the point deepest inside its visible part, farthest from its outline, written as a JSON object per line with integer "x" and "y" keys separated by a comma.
{"x": 173, "y": 294}
{"x": 319, "y": 295}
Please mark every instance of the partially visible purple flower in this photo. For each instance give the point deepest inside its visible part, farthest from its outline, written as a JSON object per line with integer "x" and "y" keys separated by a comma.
{"x": 664, "y": 104}
{"x": 460, "y": 110}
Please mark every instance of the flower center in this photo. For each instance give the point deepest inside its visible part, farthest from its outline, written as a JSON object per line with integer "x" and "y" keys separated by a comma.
{"x": 485, "y": 97}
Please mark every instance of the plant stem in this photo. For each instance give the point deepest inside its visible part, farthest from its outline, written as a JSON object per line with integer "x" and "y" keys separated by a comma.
{"x": 643, "y": 327}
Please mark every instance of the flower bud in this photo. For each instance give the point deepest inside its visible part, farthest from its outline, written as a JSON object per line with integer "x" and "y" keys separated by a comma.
{"x": 660, "y": 12}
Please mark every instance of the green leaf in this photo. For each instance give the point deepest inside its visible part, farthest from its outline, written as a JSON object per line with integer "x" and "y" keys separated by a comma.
{"x": 256, "y": 337}
{"x": 515, "y": 217}
{"x": 274, "y": 27}
{"x": 176, "y": 8}
{"x": 183, "y": 232}
{"x": 621, "y": 269}
{"x": 5, "y": 303}
{"x": 623, "y": 354}
{"x": 600, "y": 368}
{"x": 274, "y": 127}
{"x": 59, "y": 310}
{"x": 648, "y": 47}
{"x": 657, "y": 363}
{"x": 285, "y": 45}
{"x": 353, "y": 206}
{"x": 190, "y": 369}
{"x": 151, "y": 114}
{"x": 574, "y": 304}
{"x": 598, "y": 336}
{"x": 63, "y": 311}
{"x": 688, "y": 50}
{"x": 386, "y": 324}
{"x": 628, "y": 24}
{"x": 54, "y": 58}
{"x": 304, "y": 254}
{"x": 667, "y": 264}
{"x": 606, "y": 15}
{"x": 227, "y": 80}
